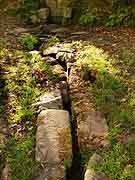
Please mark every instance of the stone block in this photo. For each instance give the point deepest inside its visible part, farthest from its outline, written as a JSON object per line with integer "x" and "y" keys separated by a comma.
{"x": 53, "y": 143}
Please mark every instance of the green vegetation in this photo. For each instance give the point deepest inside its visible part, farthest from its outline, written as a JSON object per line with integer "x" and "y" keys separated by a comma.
{"x": 87, "y": 19}
{"x": 24, "y": 77}
{"x": 24, "y": 83}
{"x": 29, "y": 41}
{"x": 27, "y": 8}
{"x": 121, "y": 16}
{"x": 21, "y": 158}
{"x": 113, "y": 97}
{"x": 53, "y": 39}
{"x": 118, "y": 162}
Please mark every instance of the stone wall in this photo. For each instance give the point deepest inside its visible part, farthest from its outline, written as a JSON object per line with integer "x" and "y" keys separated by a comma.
{"x": 60, "y": 10}
{"x": 63, "y": 10}
{"x": 96, "y": 7}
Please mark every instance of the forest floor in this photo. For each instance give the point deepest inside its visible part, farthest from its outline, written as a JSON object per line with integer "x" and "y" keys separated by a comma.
{"x": 113, "y": 93}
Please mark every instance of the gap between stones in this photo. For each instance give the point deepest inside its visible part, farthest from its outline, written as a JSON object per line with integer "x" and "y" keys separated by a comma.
{"x": 67, "y": 105}
{"x": 94, "y": 136}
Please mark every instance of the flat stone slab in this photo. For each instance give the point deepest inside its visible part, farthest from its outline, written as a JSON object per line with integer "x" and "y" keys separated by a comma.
{"x": 53, "y": 143}
{"x": 50, "y": 100}
{"x": 92, "y": 130}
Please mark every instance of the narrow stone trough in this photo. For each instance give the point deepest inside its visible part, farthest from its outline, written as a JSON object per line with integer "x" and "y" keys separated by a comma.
{"x": 67, "y": 123}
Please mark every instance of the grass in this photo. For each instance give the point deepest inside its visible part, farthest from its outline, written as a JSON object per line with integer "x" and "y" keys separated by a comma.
{"x": 24, "y": 83}
{"x": 21, "y": 159}
{"x": 118, "y": 162}
{"x": 29, "y": 41}
{"x": 114, "y": 96}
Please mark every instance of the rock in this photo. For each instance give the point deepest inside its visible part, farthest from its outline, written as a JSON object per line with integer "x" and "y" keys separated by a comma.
{"x": 53, "y": 143}
{"x": 60, "y": 30}
{"x": 67, "y": 50}
{"x": 58, "y": 51}
{"x": 92, "y": 126}
{"x": 51, "y": 3}
{"x": 50, "y": 60}
{"x": 43, "y": 14}
{"x": 50, "y": 100}
{"x": 6, "y": 173}
{"x": 91, "y": 175}
{"x": 58, "y": 69}
{"x": 65, "y": 56}
{"x": 67, "y": 12}
{"x": 79, "y": 92}
{"x": 95, "y": 159}
{"x": 51, "y": 51}
{"x": 59, "y": 72}
{"x": 34, "y": 19}
{"x": 59, "y": 10}
{"x": 79, "y": 33}
{"x": 92, "y": 130}
{"x": 19, "y": 30}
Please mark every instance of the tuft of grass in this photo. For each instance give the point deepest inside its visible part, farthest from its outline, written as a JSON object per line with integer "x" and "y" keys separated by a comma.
{"x": 53, "y": 39}
{"x": 94, "y": 58}
{"x": 29, "y": 41}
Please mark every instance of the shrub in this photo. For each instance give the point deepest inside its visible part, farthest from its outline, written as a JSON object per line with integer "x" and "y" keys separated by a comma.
{"x": 87, "y": 19}
{"x": 121, "y": 16}
{"x": 29, "y": 41}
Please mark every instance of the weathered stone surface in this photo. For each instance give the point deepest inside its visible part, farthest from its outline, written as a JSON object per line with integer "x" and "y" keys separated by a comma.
{"x": 65, "y": 56}
{"x": 80, "y": 96}
{"x": 50, "y": 100}
{"x": 95, "y": 159}
{"x": 6, "y": 173}
{"x": 58, "y": 3}
{"x": 92, "y": 127}
{"x": 60, "y": 30}
{"x": 51, "y": 51}
{"x": 61, "y": 54}
{"x": 43, "y": 14}
{"x": 60, "y": 10}
{"x": 92, "y": 130}
{"x": 50, "y": 60}
{"x": 91, "y": 175}
{"x": 94, "y": 7}
{"x": 51, "y": 3}
{"x": 58, "y": 70}
{"x": 34, "y": 19}
{"x": 53, "y": 143}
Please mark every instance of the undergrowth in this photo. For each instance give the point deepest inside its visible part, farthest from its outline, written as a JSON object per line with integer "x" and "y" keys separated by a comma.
{"x": 29, "y": 42}
{"x": 25, "y": 81}
{"x": 114, "y": 96}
